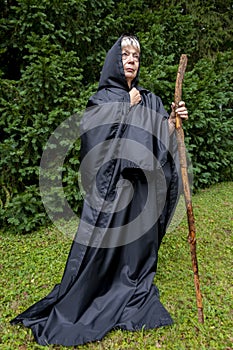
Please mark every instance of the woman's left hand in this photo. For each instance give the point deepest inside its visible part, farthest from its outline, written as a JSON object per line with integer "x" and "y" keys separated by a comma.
{"x": 181, "y": 111}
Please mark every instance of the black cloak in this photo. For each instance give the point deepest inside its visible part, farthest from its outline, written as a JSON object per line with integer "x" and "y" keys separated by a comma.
{"x": 109, "y": 274}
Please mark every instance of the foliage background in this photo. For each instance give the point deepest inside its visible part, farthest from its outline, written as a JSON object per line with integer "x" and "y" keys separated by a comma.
{"x": 51, "y": 55}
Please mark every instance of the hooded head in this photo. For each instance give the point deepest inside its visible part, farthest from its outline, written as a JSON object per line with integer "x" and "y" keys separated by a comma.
{"x": 113, "y": 73}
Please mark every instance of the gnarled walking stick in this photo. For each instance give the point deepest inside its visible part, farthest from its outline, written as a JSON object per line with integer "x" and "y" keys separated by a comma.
{"x": 186, "y": 187}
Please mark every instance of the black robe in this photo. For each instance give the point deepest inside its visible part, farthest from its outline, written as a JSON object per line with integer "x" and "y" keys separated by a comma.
{"x": 109, "y": 274}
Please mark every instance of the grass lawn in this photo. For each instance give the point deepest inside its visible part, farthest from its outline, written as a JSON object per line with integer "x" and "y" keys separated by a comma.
{"x": 31, "y": 265}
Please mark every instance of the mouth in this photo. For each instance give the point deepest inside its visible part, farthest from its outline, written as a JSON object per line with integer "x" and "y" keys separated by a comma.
{"x": 130, "y": 70}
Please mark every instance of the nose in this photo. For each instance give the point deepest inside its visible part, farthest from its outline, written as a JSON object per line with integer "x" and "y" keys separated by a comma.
{"x": 131, "y": 59}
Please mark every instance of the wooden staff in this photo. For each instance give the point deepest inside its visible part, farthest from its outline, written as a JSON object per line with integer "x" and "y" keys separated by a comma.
{"x": 186, "y": 187}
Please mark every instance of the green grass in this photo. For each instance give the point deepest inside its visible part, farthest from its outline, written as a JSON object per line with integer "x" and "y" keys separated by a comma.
{"x": 32, "y": 264}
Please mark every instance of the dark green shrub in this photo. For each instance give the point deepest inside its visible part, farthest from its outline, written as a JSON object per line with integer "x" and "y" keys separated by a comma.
{"x": 209, "y": 132}
{"x": 50, "y": 59}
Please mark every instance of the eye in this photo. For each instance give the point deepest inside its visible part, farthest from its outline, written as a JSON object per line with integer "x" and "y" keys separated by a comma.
{"x": 125, "y": 55}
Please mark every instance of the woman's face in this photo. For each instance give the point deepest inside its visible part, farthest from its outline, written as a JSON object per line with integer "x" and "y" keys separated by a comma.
{"x": 130, "y": 60}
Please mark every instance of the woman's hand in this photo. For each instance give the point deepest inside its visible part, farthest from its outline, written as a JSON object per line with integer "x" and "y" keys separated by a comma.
{"x": 135, "y": 97}
{"x": 181, "y": 111}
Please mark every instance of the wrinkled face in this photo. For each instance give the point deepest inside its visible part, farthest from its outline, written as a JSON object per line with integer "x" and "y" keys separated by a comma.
{"x": 130, "y": 60}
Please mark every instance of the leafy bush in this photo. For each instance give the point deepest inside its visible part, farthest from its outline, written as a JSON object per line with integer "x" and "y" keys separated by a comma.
{"x": 209, "y": 130}
{"x": 50, "y": 60}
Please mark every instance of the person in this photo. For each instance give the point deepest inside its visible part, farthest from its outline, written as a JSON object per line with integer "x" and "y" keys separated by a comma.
{"x": 108, "y": 281}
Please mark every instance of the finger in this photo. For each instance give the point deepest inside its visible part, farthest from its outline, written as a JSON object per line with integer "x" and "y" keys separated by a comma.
{"x": 182, "y": 113}
{"x": 173, "y": 106}
{"x": 183, "y": 116}
{"x": 181, "y": 109}
{"x": 181, "y": 103}
{"x": 173, "y": 112}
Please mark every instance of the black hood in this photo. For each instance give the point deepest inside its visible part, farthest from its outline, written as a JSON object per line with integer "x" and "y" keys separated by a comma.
{"x": 112, "y": 74}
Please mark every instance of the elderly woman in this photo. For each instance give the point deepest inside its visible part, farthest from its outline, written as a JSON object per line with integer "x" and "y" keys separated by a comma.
{"x": 108, "y": 279}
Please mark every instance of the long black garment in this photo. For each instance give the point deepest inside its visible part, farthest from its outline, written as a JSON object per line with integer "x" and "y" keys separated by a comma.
{"x": 108, "y": 278}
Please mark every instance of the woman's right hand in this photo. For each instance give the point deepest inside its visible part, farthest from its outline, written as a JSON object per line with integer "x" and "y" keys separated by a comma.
{"x": 135, "y": 97}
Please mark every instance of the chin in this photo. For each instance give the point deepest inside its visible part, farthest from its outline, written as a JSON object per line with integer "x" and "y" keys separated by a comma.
{"x": 129, "y": 76}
